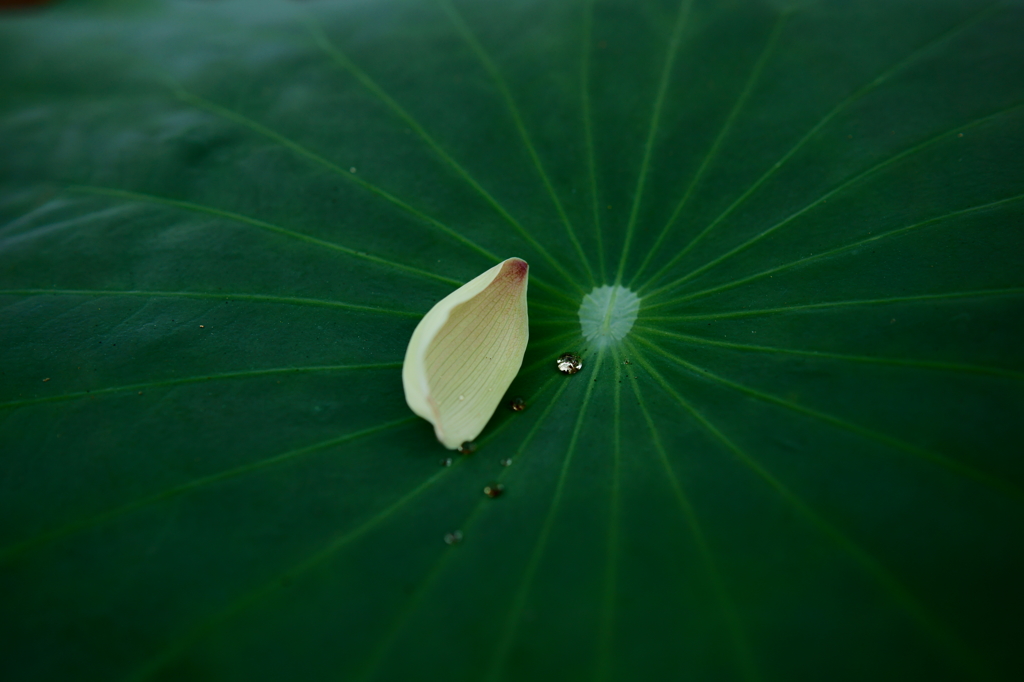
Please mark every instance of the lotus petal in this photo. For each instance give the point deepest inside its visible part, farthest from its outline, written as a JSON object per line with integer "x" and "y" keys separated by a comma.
{"x": 466, "y": 351}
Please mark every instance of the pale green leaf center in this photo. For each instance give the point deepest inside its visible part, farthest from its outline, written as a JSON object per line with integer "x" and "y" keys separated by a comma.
{"x": 608, "y": 313}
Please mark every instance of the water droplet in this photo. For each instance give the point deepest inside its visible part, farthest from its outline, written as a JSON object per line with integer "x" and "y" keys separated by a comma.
{"x": 352, "y": 169}
{"x": 517, "y": 405}
{"x": 452, "y": 538}
{"x": 494, "y": 490}
{"x": 446, "y": 462}
{"x": 467, "y": 448}
{"x": 569, "y": 363}
{"x": 506, "y": 462}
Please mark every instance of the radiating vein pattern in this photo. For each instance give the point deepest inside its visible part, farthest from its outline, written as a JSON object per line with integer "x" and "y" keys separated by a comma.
{"x": 514, "y": 615}
{"x": 202, "y": 378}
{"x": 823, "y": 198}
{"x": 607, "y": 632}
{"x": 588, "y": 133}
{"x": 828, "y": 117}
{"x": 831, "y": 305}
{"x": 295, "y": 147}
{"x": 371, "y": 667}
{"x": 868, "y": 359}
{"x": 399, "y": 111}
{"x": 740, "y": 101}
{"x": 793, "y": 443}
{"x": 263, "y": 225}
{"x": 8, "y": 554}
{"x": 506, "y": 95}
{"x": 953, "y": 466}
{"x": 744, "y": 660}
{"x": 247, "y": 600}
{"x": 828, "y": 254}
{"x": 659, "y": 101}
{"x": 290, "y": 144}
{"x": 871, "y": 564}
{"x": 211, "y": 296}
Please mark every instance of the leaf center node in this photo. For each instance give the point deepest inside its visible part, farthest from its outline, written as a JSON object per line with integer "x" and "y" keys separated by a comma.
{"x": 607, "y": 314}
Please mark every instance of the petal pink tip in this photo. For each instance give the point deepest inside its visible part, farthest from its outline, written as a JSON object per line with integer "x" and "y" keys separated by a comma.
{"x": 515, "y": 269}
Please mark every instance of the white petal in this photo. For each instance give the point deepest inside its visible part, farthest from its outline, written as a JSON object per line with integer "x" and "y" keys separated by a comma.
{"x": 466, "y": 351}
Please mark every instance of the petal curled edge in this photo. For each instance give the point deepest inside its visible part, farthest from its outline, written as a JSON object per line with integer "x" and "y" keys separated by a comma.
{"x": 466, "y": 351}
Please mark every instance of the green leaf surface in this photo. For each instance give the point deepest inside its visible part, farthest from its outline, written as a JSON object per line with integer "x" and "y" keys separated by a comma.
{"x": 220, "y": 222}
